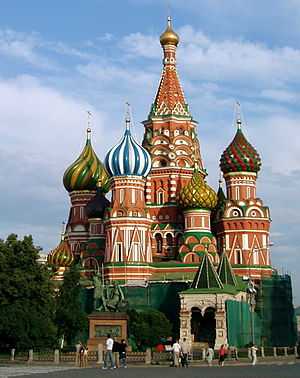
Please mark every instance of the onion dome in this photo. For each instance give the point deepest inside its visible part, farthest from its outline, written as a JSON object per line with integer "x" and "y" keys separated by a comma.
{"x": 197, "y": 194}
{"x": 86, "y": 171}
{"x": 128, "y": 158}
{"x": 96, "y": 207}
{"x": 240, "y": 155}
{"x": 61, "y": 256}
{"x": 169, "y": 37}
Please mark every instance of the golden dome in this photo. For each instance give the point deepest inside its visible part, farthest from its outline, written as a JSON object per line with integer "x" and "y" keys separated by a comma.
{"x": 61, "y": 256}
{"x": 169, "y": 37}
{"x": 197, "y": 194}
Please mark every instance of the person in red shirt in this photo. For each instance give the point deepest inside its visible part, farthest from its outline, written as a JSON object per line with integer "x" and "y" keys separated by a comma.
{"x": 222, "y": 355}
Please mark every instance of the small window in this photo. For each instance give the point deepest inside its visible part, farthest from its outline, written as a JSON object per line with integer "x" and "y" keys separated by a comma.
{"x": 255, "y": 257}
{"x": 121, "y": 195}
{"x": 159, "y": 243}
{"x": 248, "y": 192}
{"x": 119, "y": 252}
{"x": 238, "y": 257}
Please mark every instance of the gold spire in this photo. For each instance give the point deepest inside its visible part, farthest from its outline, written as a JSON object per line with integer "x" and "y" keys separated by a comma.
{"x": 169, "y": 37}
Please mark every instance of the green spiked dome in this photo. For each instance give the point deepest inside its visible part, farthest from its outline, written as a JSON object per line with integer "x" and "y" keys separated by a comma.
{"x": 86, "y": 171}
{"x": 197, "y": 194}
{"x": 240, "y": 155}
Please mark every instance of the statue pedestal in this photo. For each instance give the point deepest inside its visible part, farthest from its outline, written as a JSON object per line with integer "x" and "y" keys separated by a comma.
{"x": 103, "y": 323}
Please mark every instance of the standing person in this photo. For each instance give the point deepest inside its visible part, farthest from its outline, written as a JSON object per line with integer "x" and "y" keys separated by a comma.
{"x": 77, "y": 355}
{"x": 81, "y": 353}
{"x": 222, "y": 353}
{"x": 122, "y": 353}
{"x": 185, "y": 351}
{"x": 176, "y": 353}
{"x": 116, "y": 353}
{"x": 254, "y": 350}
{"x": 85, "y": 356}
{"x": 209, "y": 355}
{"x": 109, "y": 353}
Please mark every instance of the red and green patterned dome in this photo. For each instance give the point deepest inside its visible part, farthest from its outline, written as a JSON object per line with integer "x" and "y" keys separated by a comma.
{"x": 240, "y": 155}
{"x": 61, "y": 256}
{"x": 86, "y": 171}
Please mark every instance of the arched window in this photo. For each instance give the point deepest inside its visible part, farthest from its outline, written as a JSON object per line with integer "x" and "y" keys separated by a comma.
{"x": 159, "y": 243}
{"x": 160, "y": 197}
{"x": 169, "y": 239}
{"x": 238, "y": 257}
{"x": 255, "y": 256}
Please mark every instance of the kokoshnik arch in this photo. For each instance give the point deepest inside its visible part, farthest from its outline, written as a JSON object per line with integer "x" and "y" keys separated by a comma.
{"x": 164, "y": 222}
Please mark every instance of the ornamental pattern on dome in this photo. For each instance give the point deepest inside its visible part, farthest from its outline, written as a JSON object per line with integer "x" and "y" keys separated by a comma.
{"x": 61, "y": 256}
{"x": 128, "y": 158}
{"x": 197, "y": 194}
{"x": 86, "y": 171}
{"x": 240, "y": 155}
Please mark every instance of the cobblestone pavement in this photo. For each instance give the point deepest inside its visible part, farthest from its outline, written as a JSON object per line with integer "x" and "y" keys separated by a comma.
{"x": 276, "y": 370}
{"x": 20, "y": 370}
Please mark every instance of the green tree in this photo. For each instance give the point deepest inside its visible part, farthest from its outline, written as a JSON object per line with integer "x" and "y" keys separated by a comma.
{"x": 148, "y": 326}
{"x": 26, "y": 296}
{"x": 71, "y": 319}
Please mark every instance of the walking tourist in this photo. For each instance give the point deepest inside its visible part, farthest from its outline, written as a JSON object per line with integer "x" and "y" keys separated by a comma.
{"x": 109, "y": 357}
{"x": 254, "y": 350}
{"x": 122, "y": 353}
{"x": 222, "y": 355}
{"x": 209, "y": 355}
{"x": 176, "y": 353}
{"x": 185, "y": 351}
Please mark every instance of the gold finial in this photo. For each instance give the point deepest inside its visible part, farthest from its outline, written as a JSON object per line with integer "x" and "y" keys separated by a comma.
{"x": 169, "y": 37}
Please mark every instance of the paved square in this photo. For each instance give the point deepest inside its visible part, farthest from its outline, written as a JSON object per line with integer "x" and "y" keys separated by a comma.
{"x": 260, "y": 371}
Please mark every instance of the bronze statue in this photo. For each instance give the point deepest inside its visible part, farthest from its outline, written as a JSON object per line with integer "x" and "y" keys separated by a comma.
{"x": 108, "y": 298}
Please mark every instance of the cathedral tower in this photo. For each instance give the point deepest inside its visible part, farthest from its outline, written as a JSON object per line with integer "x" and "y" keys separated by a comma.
{"x": 81, "y": 180}
{"x": 128, "y": 238}
{"x": 171, "y": 139}
{"x": 241, "y": 221}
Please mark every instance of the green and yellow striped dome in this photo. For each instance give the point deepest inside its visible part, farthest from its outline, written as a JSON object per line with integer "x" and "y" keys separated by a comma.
{"x": 197, "y": 194}
{"x": 86, "y": 171}
{"x": 61, "y": 256}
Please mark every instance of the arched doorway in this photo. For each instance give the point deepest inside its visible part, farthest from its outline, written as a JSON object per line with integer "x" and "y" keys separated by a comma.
{"x": 203, "y": 327}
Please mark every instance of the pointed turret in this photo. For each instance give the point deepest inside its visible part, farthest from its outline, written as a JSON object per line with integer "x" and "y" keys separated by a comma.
{"x": 225, "y": 271}
{"x": 169, "y": 99}
{"x": 206, "y": 276}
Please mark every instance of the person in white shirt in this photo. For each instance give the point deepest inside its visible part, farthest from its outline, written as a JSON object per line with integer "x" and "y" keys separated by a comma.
{"x": 176, "y": 353}
{"x": 185, "y": 350}
{"x": 209, "y": 356}
{"x": 109, "y": 356}
{"x": 254, "y": 350}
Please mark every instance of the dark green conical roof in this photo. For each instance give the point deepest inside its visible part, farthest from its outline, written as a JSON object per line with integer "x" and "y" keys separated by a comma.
{"x": 225, "y": 271}
{"x": 206, "y": 276}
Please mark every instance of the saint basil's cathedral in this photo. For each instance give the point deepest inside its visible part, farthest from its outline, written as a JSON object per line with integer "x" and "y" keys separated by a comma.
{"x": 164, "y": 226}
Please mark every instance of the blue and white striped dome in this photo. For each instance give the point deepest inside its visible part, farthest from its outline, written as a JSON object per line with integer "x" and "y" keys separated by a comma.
{"x": 128, "y": 158}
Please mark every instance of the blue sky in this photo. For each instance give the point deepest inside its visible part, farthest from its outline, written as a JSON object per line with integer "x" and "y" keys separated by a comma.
{"x": 61, "y": 58}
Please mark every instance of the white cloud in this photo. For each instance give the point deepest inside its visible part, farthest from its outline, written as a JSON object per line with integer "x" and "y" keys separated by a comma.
{"x": 24, "y": 47}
